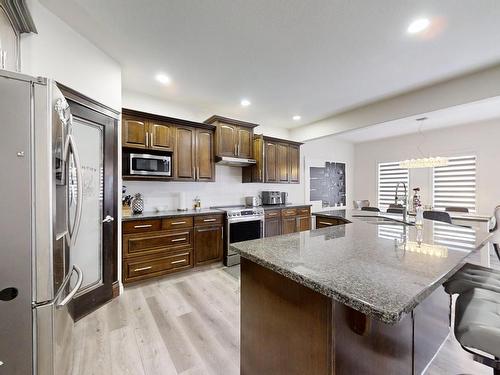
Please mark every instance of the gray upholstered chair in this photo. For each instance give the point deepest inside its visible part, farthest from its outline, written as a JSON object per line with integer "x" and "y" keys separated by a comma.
{"x": 438, "y": 216}
{"x": 477, "y": 325}
{"x": 472, "y": 276}
{"x": 374, "y": 209}
{"x": 359, "y": 204}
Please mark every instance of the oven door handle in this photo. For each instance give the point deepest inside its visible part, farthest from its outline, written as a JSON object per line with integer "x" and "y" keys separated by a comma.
{"x": 245, "y": 219}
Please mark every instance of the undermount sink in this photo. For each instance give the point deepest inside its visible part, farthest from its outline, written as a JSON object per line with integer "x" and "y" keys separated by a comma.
{"x": 382, "y": 220}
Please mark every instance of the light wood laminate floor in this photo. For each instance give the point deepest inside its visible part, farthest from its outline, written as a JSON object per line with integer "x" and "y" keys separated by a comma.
{"x": 187, "y": 324}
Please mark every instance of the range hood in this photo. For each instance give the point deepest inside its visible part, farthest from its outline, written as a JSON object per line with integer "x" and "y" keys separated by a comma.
{"x": 234, "y": 162}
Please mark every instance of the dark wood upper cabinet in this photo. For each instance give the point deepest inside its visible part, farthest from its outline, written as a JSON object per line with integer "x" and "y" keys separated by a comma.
{"x": 208, "y": 244}
{"x": 294, "y": 164}
{"x": 233, "y": 138}
{"x": 205, "y": 166}
{"x": 244, "y": 144}
{"x": 282, "y": 162}
{"x": 190, "y": 143}
{"x": 184, "y": 160}
{"x": 160, "y": 136}
{"x": 277, "y": 161}
{"x": 134, "y": 132}
{"x": 271, "y": 170}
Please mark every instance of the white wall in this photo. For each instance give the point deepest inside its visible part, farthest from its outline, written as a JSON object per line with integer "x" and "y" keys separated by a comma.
{"x": 150, "y": 104}
{"x": 465, "y": 89}
{"x": 228, "y": 188}
{"x": 481, "y": 139}
{"x": 59, "y": 52}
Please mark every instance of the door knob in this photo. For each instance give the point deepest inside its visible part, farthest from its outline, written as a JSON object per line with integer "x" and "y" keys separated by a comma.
{"x": 108, "y": 219}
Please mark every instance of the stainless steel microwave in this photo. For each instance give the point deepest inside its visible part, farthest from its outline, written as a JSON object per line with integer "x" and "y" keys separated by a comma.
{"x": 150, "y": 165}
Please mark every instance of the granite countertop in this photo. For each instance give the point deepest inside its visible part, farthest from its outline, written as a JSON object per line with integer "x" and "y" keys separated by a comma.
{"x": 371, "y": 264}
{"x": 171, "y": 213}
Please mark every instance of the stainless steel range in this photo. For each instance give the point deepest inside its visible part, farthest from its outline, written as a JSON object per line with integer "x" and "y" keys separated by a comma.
{"x": 242, "y": 224}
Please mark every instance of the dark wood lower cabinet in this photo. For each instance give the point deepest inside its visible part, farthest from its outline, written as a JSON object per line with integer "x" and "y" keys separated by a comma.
{"x": 288, "y": 225}
{"x": 208, "y": 244}
{"x": 303, "y": 223}
{"x": 325, "y": 222}
{"x": 154, "y": 247}
{"x": 287, "y": 220}
{"x": 272, "y": 227}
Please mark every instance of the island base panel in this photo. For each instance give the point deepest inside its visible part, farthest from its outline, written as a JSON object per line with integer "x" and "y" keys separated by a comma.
{"x": 287, "y": 328}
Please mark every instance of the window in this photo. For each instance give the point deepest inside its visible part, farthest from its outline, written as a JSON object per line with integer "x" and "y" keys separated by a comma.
{"x": 455, "y": 184}
{"x": 389, "y": 174}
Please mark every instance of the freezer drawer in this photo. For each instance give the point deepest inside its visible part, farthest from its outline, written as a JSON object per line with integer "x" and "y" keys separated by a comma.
{"x": 53, "y": 341}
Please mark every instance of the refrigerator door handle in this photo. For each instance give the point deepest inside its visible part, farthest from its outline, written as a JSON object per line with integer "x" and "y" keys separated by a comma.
{"x": 77, "y": 286}
{"x": 72, "y": 233}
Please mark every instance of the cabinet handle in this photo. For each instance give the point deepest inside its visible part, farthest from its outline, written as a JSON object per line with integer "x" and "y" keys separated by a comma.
{"x": 151, "y": 135}
{"x": 326, "y": 223}
{"x": 178, "y": 222}
{"x": 235, "y": 149}
{"x": 198, "y": 172}
{"x": 143, "y": 226}
{"x": 179, "y": 239}
{"x": 143, "y": 268}
{"x": 147, "y": 139}
{"x": 178, "y": 261}
{"x": 272, "y": 214}
{"x": 209, "y": 220}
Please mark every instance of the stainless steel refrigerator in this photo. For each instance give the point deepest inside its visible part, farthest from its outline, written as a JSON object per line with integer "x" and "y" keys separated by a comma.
{"x": 40, "y": 211}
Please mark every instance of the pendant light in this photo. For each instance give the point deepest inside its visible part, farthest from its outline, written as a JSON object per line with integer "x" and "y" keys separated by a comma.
{"x": 423, "y": 162}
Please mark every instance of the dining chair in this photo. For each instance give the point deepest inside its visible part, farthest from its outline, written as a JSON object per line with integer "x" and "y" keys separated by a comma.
{"x": 358, "y": 204}
{"x": 374, "y": 209}
{"x": 438, "y": 216}
{"x": 457, "y": 209}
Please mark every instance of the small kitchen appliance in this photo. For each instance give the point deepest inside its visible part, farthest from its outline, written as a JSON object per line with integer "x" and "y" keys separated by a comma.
{"x": 271, "y": 197}
{"x": 284, "y": 197}
{"x": 252, "y": 201}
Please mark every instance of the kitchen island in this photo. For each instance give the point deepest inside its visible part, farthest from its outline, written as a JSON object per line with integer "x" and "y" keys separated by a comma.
{"x": 359, "y": 298}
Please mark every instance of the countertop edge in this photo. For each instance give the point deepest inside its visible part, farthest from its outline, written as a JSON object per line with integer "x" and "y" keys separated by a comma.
{"x": 153, "y": 215}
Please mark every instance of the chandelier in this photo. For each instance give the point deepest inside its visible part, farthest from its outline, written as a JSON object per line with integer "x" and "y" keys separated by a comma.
{"x": 424, "y": 163}
{"x": 429, "y": 162}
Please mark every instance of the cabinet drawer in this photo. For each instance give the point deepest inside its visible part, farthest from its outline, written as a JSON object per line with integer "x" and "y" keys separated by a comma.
{"x": 178, "y": 223}
{"x": 158, "y": 242}
{"x": 272, "y": 214}
{"x": 140, "y": 226}
{"x": 323, "y": 222}
{"x": 138, "y": 269}
{"x": 304, "y": 211}
{"x": 289, "y": 212}
{"x": 207, "y": 220}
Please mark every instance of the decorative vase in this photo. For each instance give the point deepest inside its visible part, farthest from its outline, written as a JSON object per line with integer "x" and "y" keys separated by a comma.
{"x": 137, "y": 204}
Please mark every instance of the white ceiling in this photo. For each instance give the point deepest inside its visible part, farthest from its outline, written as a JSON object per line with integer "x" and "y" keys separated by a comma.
{"x": 483, "y": 110}
{"x": 313, "y": 58}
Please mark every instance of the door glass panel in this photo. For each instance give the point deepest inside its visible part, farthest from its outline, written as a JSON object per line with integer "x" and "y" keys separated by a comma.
{"x": 87, "y": 252}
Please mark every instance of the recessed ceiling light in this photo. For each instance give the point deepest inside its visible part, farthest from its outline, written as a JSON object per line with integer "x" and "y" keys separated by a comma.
{"x": 418, "y": 25}
{"x": 163, "y": 78}
{"x": 296, "y": 118}
{"x": 245, "y": 102}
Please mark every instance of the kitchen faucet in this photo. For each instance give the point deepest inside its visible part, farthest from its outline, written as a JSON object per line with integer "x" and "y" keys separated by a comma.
{"x": 404, "y": 201}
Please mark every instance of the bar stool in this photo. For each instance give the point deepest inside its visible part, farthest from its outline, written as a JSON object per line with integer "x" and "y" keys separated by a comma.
{"x": 438, "y": 216}
{"x": 473, "y": 276}
{"x": 477, "y": 325}
{"x": 358, "y": 204}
